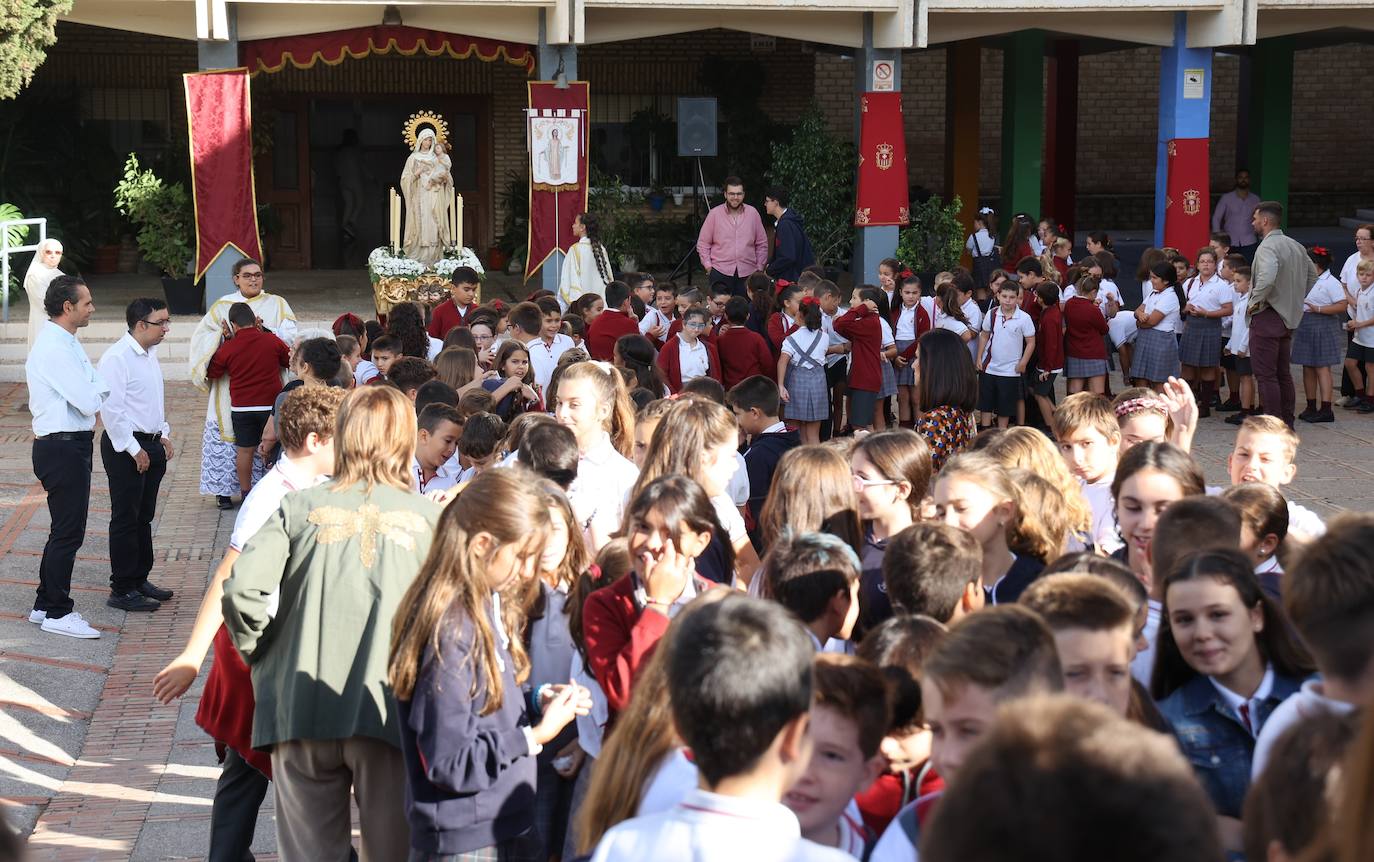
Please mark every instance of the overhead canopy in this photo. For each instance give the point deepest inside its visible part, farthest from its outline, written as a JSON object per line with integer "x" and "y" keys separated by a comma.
{"x": 272, "y": 55}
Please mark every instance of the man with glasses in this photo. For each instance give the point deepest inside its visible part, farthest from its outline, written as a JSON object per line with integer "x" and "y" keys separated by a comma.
{"x": 218, "y": 475}
{"x": 135, "y": 449}
{"x": 732, "y": 244}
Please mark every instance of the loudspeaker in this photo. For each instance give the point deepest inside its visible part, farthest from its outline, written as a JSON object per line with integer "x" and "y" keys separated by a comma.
{"x": 696, "y": 127}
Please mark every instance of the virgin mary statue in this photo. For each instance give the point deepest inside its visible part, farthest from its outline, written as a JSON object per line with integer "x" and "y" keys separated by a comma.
{"x": 426, "y": 183}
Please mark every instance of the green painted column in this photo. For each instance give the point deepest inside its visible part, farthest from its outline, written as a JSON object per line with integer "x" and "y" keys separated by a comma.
{"x": 1271, "y": 117}
{"x": 1023, "y": 123}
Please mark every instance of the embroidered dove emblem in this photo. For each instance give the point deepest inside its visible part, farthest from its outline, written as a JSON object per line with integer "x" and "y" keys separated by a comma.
{"x": 370, "y": 524}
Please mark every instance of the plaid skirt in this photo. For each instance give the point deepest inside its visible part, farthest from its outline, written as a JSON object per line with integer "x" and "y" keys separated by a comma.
{"x": 525, "y": 848}
{"x": 906, "y": 376}
{"x": 889, "y": 381}
{"x": 809, "y": 394}
{"x": 1080, "y": 368}
{"x": 1156, "y": 356}
{"x": 1201, "y": 345}
{"x": 1319, "y": 341}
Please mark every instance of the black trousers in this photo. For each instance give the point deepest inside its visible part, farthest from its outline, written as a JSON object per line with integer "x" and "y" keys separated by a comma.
{"x": 736, "y": 283}
{"x": 133, "y": 502}
{"x": 64, "y": 469}
{"x": 234, "y": 811}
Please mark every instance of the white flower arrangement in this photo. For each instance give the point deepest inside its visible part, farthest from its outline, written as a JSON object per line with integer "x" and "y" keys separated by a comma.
{"x": 381, "y": 263}
{"x": 462, "y": 257}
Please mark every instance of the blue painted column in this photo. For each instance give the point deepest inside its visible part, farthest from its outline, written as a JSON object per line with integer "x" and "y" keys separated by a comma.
{"x": 550, "y": 56}
{"x": 871, "y": 244}
{"x": 1185, "y": 103}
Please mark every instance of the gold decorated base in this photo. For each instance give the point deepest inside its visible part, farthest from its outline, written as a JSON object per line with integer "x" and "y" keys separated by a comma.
{"x": 429, "y": 290}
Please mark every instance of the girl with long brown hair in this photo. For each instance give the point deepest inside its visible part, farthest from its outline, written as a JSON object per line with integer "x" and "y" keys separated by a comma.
{"x": 456, "y": 673}
{"x": 592, "y": 400}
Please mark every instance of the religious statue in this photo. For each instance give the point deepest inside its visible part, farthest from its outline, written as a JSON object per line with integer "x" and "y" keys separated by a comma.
{"x": 427, "y": 183}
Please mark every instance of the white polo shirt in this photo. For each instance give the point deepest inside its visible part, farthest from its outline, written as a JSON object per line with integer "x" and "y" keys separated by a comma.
{"x": 1327, "y": 291}
{"x": 1006, "y": 341}
{"x": 544, "y": 357}
{"x": 1165, "y": 301}
{"x": 693, "y": 359}
{"x": 1209, "y": 295}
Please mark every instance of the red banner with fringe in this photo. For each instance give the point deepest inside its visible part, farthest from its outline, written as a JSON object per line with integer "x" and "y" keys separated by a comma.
{"x": 272, "y": 55}
{"x": 882, "y": 197}
{"x": 556, "y": 125}
{"x": 219, "y": 125}
{"x": 1187, "y": 215}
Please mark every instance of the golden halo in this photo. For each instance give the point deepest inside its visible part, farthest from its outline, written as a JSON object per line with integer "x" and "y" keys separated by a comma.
{"x": 418, "y": 120}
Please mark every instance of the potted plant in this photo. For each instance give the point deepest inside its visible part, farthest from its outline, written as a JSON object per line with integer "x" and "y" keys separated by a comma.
{"x": 817, "y": 168}
{"x": 510, "y": 247}
{"x": 163, "y": 216}
{"x": 657, "y": 196}
{"x": 934, "y": 240}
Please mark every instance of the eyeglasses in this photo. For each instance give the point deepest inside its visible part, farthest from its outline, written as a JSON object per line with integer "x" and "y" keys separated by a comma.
{"x": 694, "y": 325}
{"x": 249, "y": 275}
{"x": 165, "y": 324}
{"x": 862, "y": 482}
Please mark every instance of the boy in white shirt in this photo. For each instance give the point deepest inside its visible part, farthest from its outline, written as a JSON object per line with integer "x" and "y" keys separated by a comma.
{"x": 1005, "y": 345}
{"x": 1266, "y": 451}
{"x": 1238, "y": 345}
{"x": 436, "y": 441}
{"x": 545, "y": 350}
{"x": 1359, "y": 361}
{"x": 716, "y": 682}
{"x": 1089, "y": 438}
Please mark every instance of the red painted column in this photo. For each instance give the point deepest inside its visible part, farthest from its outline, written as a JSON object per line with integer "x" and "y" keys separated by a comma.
{"x": 1061, "y": 141}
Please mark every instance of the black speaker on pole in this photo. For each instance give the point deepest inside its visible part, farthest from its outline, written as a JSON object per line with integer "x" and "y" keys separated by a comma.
{"x": 696, "y": 127}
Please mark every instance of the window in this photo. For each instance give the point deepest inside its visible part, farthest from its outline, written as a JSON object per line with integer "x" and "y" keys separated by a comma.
{"x": 135, "y": 120}
{"x": 635, "y": 137}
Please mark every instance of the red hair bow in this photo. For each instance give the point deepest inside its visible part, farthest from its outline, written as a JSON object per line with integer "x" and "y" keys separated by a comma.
{"x": 810, "y": 300}
{"x": 906, "y": 272}
{"x": 1317, "y": 249}
{"x": 780, "y": 284}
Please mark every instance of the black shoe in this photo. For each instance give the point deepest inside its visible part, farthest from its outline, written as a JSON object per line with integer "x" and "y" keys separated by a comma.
{"x": 132, "y": 601}
{"x": 1307, "y": 414}
{"x": 153, "y": 591}
{"x": 1237, "y": 418}
{"x": 225, "y": 503}
{"x": 1231, "y": 405}
{"x": 1322, "y": 416}
{"x": 1365, "y": 407}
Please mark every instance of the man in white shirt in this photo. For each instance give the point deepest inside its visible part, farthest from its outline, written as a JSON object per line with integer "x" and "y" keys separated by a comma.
{"x": 135, "y": 450}
{"x": 65, "y": 391}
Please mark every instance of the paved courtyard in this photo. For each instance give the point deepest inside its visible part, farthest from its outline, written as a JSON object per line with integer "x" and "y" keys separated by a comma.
{"x": 91, "y": 767}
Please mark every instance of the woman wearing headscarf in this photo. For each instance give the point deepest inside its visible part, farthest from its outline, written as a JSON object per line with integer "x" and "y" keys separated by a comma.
{"x": 41, "y": 272}
{"x": 426, "y": 182}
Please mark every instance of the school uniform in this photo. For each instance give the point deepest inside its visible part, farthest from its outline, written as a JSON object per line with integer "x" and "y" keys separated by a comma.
{"x": 836, "y": 364}
{"x": 1362, "y": 344}
{"x": 974, "y": 315}
{"x": 599, "y": 493}
{"x": 1156, "y": 348}
{"x": 1320, "y": 340}
{"x": 999, "y": 382}
{"x": 904, "y": 325}
{"x": 807, "y": 390}
{"x": 1201, "y": 344}
{"x": 682, "y": 363}
{"x": 544, "y": 357}
{"x": 1022, "y": 573}
{"x": 1238, "y": 345}
{"x": 1085, "y": 350}
{"x": 761, "y": 462}
{"x": 1049, "y": 348}
{"x": 779, "y": 327}
{"x": 444, "y": 478}
{"x": 603, "y": 333}
{"x": 653, "y": 317}
{"x": 889, "y": 384}
{"x": 743, "y": 354}
{"x": 447, "y": 315}
{"x": 861, "y": 325}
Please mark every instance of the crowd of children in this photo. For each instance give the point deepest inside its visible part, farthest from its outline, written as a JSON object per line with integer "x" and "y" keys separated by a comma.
{"x": 669, "y": 576}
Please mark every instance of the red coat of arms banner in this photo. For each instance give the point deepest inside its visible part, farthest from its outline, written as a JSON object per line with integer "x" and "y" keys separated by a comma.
{"x": 557, "y": 123}
{"x": 221, "y": 132}
{"x": 882, "y": 197}
{"x": 1187, "y": 216}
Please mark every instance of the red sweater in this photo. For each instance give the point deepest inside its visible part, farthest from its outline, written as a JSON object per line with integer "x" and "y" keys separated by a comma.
{"x": 743, "y": 353}
{"x": 670, "y": 363}
{"x": 603, "y": 333}
{"x": 620, "y": 637}
{"x": 861, "y": 325}
{"x": 253, "y": 359}
{"x": 778, "y": 330}
{"x": 447, "y": 315}
{"x": 1049, "y": 339}
{"x": 1086, "y": 326}
{"x": 1016, "y": 255}
{"x": 227, "y": 704}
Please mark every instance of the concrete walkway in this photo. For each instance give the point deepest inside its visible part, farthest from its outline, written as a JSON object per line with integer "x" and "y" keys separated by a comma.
{"x": 91, "y": 767}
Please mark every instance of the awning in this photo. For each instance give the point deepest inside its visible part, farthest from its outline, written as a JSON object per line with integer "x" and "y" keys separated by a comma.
{"x": 272, "y": 55}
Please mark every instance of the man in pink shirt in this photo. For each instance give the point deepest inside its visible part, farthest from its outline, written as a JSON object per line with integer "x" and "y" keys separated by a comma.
{"x": 732, "y": 245}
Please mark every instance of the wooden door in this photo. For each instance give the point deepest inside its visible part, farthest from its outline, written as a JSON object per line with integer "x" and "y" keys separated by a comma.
{"x": 283, "y": 180}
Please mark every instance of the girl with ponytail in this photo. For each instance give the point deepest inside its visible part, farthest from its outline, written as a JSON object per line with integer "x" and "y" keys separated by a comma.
{"x": 592, "y": 400}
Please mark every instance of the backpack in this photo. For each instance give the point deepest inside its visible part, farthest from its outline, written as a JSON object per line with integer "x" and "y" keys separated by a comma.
{"x": 984, "y": 265}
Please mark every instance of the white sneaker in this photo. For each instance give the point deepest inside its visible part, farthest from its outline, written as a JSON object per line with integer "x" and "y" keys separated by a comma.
{"x": 36, "y": 616}
{"x": 72, "y": 625}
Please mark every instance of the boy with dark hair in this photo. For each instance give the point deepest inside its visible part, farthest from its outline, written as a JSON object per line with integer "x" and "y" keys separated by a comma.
{"x": 1094, "y": 631}
{"x": 720, "y": 297}
{"x": 743, "y": 352}
{"x": 549, "y": 347}
{"x": 454, "y": 311}
{"x": 756, "y": 403}
{"x": 816, "y": 577}
{"x": 526, "y": 322}
{"x": 253, "y": 358}
{"x": 550, "y": 450}
{"x": 435, "y": 392}
{"x": 1005, "y": 347}
{"x": 716, "y": 680}
{"x": 936, "y": 570}
{"x": 1329, "y": 597}
{"x": 322, "y": 356}
{"x": 385, "y": 351}
{"x": 836, "y": 357}
{"x": 1057, "y": 778}
{"x": 849, "y": 715}
{"x": 609, "y": 325}
{"x": 997, "y": 655}
{"x": 435, "y": 443}
{"x": 409, "y": 373}
{"x": 479, "y": 446}
{"x": 475, "y": 401}
{"x": 642, "y": 286}
{"x": 656, "y": 323}
{"x": 575, "y": 327}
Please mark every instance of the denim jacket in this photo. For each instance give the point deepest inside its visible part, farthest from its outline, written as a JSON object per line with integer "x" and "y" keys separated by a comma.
{"x": 1214, "y": 739}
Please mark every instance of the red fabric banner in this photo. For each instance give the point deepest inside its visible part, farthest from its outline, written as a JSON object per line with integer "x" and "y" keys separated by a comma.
{"x": 556, "y": 195}
{"x": 883, "y": 197}
{"x": 220, "y": 127}
{"x": 1187, "y": 216}
{"x": 272, "y": 55}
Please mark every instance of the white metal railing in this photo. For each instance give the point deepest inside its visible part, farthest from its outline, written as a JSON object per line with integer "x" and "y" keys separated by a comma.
{"x": 6, "y": 250}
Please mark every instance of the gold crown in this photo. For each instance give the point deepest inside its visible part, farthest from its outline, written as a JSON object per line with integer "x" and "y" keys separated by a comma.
{"x": 419, "y": 120}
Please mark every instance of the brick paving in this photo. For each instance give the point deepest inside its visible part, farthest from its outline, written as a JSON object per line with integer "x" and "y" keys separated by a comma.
{"x": 93, "y": 768}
